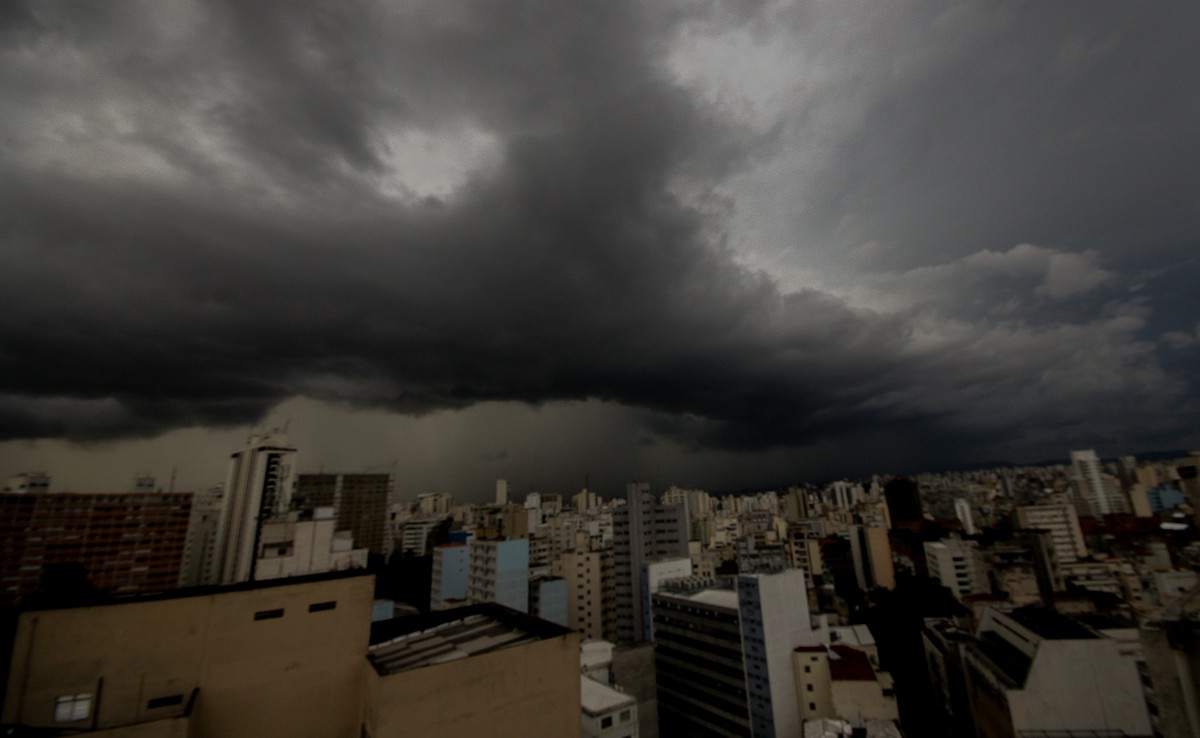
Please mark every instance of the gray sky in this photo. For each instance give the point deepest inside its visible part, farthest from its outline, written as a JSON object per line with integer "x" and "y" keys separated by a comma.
{"x": 723, "y": 244}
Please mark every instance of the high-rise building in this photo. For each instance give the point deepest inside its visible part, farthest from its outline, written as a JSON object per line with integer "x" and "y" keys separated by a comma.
{"x": 1095, "y": 492}
{"x": 502, "y": 492}
{"x": 259, "y": 487}
{"x": 957, "y": 565}
{"x": 449, "y": 581}
{"x": 306, "y": 542}
{"x": 1063, "y": 523}
{"x": 962, "y": 511}
{"x": 199, "y": 556}
{"x": 362, "y": 501}
{"x": 872, "y": 555}
{"x": 589, "y": 576}
{"x": 498, "y": 571}
{"x": 643, "y": 530}
{"x": 723, "y": 654}
{"x": 121, "y": 543}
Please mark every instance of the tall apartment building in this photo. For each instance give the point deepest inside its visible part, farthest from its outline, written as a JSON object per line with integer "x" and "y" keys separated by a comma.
{"x": 1095, "y": 492}
{"x": 125, "y": 543}
{"x": 643, "y": 530}
{"x": 957, "y": 565}
{"x": 1063, "y": 523}
{"x": 259, "y": 487}
{"x": 774, "y": 616}
{"x": 362, "y": 501}
{"x": 723, "y": 654}
{"x": 448, "y": 586}
{"x": 498, "y": 571}
{"x": 200, "y": 552}
{"x": 872, "y": 555}
{"x": 590, "y": 585}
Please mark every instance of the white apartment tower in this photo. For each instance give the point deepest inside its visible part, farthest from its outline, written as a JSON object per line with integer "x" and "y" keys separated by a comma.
{"x": 259, "y": 487}
{"x": 1093, "y": 487}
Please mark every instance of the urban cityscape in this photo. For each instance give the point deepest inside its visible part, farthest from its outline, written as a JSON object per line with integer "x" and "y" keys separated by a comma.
{"x": 1057, "y": 600}
{"x": 619, "y": 369}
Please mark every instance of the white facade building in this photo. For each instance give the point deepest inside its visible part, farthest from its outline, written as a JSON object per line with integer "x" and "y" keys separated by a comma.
{"x": 259, "y": 487}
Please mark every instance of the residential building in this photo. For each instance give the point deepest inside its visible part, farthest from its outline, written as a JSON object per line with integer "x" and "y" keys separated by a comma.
{"x": 306, "y": 542}
{"x": 774, "y": 616}
{"x": 1062, "y": 521}
{"x": 957, "y": 565}
{"x": 1095, "y": 491}
{"x": 259, "y": 487}
{"x": 840, "y": 682}
{"x": 643, "y": 530}
{"x": 199, "y": 554}
{"x": 498, "y": 571}
{"x": 872, "y": 555}
{"x": 606, "y": 713}
{"x": 590, "y": 584}
{"x": 448, "y": 586}
{"x": 362, "y": 501}
{"x": 122, "y": 543}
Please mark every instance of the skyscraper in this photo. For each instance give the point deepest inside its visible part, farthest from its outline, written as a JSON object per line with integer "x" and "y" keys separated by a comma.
{"x": 1094, "y": 493}
{"x": 259, "y": 486}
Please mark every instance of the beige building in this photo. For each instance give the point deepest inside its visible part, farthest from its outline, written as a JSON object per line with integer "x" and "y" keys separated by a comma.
{"x": 587, "y": 604}
{"x": 842, "y": 682}
{"x": 1063, "y": 523}
{"x": 480, "y": 670}
{"x": 251, "y": 660}
{"x": 289, "y": 657}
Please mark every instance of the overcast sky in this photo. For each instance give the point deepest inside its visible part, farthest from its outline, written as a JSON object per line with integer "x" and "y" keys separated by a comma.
{"x": 725, "y": 244}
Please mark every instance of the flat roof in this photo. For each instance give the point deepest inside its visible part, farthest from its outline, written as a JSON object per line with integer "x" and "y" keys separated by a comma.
{"x": 719, "y": 597}
{"x": 596, "y": 698}
{"x": 417, "y": 641}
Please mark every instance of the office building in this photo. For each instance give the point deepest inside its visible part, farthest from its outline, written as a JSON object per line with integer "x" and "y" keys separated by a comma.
{"x": 774, "y": 616}
{"x": 121, "y": 543}
{"x": 654, "y": 573}
{"x": 259, "y": 487}
{"x": 498, "y": 571}
{"x": 643, "y": 530}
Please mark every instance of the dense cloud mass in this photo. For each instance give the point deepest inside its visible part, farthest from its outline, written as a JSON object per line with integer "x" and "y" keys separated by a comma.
{"x": 760, "y": 225}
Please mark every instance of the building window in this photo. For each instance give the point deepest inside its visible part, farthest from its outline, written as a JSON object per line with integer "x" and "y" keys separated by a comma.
{"x": 812, "y": 706}
{"x": 268, "y": 614}
{"x": 168, "y": 701}
{"x": 72, "y": 707}
{"x": 807, "y": 669}
{"x": 606, "y": 722}
{"x": 320, "y": 606}
{"x": 626, "y": 715}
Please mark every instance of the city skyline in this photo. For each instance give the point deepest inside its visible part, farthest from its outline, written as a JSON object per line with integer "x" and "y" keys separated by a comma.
{"x": 723, "y": 246}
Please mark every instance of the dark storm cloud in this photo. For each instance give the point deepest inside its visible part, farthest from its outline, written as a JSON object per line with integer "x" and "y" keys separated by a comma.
{"x": 213, "y": 207}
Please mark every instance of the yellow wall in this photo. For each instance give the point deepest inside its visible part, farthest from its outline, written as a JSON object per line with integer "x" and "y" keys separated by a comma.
{"x": 297, "y": 675}
{"x": 526, "y": 691}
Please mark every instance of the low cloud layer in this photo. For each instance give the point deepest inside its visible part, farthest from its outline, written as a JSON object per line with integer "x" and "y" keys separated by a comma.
{"x": 213, "y": 207}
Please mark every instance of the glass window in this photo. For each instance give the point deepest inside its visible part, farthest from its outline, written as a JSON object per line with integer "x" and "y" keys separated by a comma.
{"x": 72, "y": 707}
{"x": 626, "y": 715}
{"x": 606, "y": 722}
